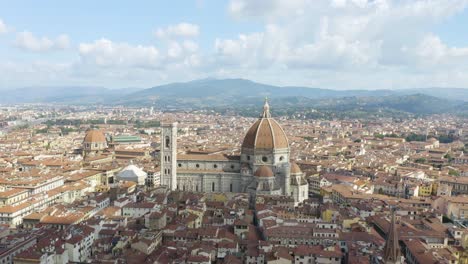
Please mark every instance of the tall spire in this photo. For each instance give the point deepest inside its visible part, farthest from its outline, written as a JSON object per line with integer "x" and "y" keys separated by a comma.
{"x": 266, "y": 109}
{"x": 392, "y": 248}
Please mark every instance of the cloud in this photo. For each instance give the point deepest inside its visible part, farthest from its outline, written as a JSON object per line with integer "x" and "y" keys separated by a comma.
{"x": 344, "y": 37}
{"x": 27, "y": 41}
{"x": 105, "y": 53}
{"x": 321, "y": 43}
{"x": 3, "y": 27}
{"x": 185, "y": 30}
{"x": 432, "y": 51}
{"x": 266, "y": 8}
{"x": 109, "y": 54}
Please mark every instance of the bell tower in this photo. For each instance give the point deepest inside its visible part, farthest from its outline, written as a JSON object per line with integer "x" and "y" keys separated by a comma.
{"x": 392, "y": 254}
{"x": 168, "y": 154}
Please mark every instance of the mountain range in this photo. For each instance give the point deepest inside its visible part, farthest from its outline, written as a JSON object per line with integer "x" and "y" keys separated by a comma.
{"x": 216, "y": 93}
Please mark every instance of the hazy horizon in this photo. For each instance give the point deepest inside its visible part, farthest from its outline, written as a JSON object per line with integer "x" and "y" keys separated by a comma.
{"x": 221, "y": 79}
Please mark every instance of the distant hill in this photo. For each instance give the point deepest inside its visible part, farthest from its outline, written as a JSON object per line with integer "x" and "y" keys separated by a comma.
{"x": 220, "y": 91}
{"x": 65, "y": 94}
{"x": 226, "y": 93}
{"x": 244, "y": 94}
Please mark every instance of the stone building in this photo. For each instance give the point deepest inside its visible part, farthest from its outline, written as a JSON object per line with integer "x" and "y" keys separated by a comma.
{"x": 263, "y": 166}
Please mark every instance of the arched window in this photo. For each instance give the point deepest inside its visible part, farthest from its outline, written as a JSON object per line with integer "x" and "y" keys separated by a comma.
{"x": 212, "y": 186}
{"x": 168, "y": 158}
{"x": 168, "y": 141}
{"x": 230, "y": 187}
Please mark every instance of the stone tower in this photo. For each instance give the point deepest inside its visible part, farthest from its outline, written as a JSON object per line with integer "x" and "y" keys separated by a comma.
{"x": 392, "y": 248}
{"x": 168, "y": 154}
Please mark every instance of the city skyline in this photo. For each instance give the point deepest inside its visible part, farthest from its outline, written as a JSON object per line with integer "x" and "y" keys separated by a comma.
{"x": 335, "y": 44}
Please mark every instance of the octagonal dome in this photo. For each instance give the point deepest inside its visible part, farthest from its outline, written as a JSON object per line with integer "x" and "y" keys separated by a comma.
{"x": 265, "y": 133}
{"x": 94, "y": 136}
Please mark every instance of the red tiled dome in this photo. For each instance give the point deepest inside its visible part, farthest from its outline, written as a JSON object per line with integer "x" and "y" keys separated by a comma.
{"x": 94, "y": 136}
{"x": 264, "y": 171}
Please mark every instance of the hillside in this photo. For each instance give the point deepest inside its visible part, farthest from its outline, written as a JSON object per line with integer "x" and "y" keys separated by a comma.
{"x": 240, "y": 95}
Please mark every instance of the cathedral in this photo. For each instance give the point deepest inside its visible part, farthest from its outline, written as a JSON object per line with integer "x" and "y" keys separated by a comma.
{"x": 263, "y": 167}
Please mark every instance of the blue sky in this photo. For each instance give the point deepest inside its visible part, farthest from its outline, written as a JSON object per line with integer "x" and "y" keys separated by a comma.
{"x": 340, "y": 44}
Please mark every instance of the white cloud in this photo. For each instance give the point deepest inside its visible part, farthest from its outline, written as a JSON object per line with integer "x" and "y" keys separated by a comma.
{"x": 267, "y": 8}
{"x": 344, "y": 37}
{"x": 185, "y": 30}
{"x": 3, "y": 27}
{"x": 27, "y": 41}
{"x": 111, "y": 55}
{"x": 432, "y": 51}
{"x": 321, "y": 43}
{"x": 106, "y": 53}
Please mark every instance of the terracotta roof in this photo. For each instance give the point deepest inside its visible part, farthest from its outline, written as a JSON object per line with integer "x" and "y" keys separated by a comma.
{"x": 264, "y": 171}
{"x": 94, "y": 136}
{"x": 295, "y": 168}
{"x": 265, "y": 133}
{"x": 203, "y": 157}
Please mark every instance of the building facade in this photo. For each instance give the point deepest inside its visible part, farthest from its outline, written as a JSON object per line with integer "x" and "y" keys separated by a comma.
{"x": 263, "y": 167}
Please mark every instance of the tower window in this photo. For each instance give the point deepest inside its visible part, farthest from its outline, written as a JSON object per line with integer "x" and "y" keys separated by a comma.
{"x": 281, "y": 158}
{"x": 168, "y": 141}
{"x": 215, "y": 166}
{"x": 248, "y": 157}
{"x": 264, "y": 159}
{"x": 232, "y": 166}
{"x": 230, "y": 187}
{"x": 180, "y": 165}
{"x": 212, "y": 186}
{"x": 197, "y": 165}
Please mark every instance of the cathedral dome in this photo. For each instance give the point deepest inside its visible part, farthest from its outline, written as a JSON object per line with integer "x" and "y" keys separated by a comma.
{"x": 94, "y": 136}
{"x": 264, "y": 171}
{"x": 295, "y": 168}
{"x": 265, "y": 133}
